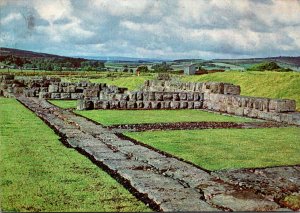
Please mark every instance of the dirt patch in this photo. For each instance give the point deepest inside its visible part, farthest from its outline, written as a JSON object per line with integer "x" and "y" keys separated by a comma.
{"x": 194, "y": 125}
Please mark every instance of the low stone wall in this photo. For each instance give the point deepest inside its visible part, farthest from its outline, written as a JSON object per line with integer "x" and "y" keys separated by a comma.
{"x": 202, "y": 87}
{"x": 145, "y": 100}
{"x": 69, "y": 91}
{"x": 280, "y": 110}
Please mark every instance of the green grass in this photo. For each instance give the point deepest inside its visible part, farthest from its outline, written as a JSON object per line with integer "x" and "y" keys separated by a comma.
{"x": 111, "y": 117}
{"x": 65, "y": 104}
{"x": 261, "y": 84}
{"x": 216, "y": 149}
{"x": 132, "y": 83}
{"x": 39, "y": 174}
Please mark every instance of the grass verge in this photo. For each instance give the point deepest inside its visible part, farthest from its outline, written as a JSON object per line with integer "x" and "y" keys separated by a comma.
{"x": 112, "y": 117}
{"x": 216, "y": 149}
{"x": 65, "y": 104}
{"x": 39, "y": 174}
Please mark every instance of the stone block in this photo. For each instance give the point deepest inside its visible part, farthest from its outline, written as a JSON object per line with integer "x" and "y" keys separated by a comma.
{"x": 105, "y": 105}
{"x": 156, "y": 104}
{"x": 282, "y": 105}
{"x": 123, "y": 104}
{"x": 197, "y": 105}
{"x": 176, "y": 97}
{"x": 182, "y": 96}
{"x": 183, "y": 105}
{"x": 190, "y": 96}
{"x": 139, "y": 96}
{"x": 140, "y": 104}
{"x": 71, "y": 88}
{"x": 190, "y": 105}
{"x": 131, "y": 105}
{"x": 98, "y": 104}
{"x": 151, "y": 96}
{"x": 167, "y": 96}
{"x": 165, "y": 104}
{"x": 65, "y": 95}
{"x": 158, "y": 96}
{"x": 44, "y": 89}
{"x": 230, "y": 89}
{"x": 76, "y": 95}
{"x": 89, "y": 93}
{"x": 114, "y": 104}
{"x": 147, "y": 105}
{"x": 175, "y": 104}
{"x": 44, "y": 95}
{"x": 124, "y": 97}
{"x": 55, "y": 95}
{"x": 53, "y": 88}
{"x": 132, "y": 96}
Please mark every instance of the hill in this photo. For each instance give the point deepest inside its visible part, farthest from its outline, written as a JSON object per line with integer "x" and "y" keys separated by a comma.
{"x": 15, "y": 58}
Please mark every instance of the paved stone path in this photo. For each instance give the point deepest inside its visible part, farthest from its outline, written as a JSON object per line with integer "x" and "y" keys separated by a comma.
{"x": 164, "y": 182}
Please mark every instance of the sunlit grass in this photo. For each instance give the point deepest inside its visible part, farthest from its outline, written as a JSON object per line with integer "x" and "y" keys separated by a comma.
{"x": 39, "y": 174}
{"x": 216, "y": 149}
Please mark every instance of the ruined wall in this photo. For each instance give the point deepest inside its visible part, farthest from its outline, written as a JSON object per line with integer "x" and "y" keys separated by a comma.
{"x": 208, "y": 87}
{"x": 145, "y": 100}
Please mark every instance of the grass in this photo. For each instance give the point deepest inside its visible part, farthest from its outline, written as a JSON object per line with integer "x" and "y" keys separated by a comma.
{"x": 112, "y": 117}
{"x": 132, "y": 82}
{"x": 261, "y": 84}
{"x": 39, "y": 174}
{"x": 65, "y": 104}
{"x": 216, "y": 149}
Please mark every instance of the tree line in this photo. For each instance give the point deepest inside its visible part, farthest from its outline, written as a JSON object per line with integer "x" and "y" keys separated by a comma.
{"x": 50, "y": 64}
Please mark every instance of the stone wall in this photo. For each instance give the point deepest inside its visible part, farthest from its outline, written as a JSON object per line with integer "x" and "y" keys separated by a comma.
{"x": 208, "y": 87}
{"x": 145, "y": 100}
{"x": 155, "y": 94}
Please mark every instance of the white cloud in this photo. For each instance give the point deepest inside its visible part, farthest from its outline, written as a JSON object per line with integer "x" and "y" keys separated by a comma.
{"x": 151, "y": 28}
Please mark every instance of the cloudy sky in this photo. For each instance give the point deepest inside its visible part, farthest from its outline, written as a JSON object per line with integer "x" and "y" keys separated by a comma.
{"x": 153, "y": 28}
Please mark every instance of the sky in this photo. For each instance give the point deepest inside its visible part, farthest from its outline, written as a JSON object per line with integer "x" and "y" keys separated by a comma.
{"x": 169, "y": 29}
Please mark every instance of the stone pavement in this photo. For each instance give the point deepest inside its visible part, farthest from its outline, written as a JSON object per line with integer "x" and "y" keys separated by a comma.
{"x": 164, "y": 182}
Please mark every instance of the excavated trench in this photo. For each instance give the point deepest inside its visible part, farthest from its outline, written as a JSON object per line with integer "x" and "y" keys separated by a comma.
{"x": 162, "y": 181}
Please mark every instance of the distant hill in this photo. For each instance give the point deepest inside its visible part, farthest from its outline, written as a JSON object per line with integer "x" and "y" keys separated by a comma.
{"x": 295, "y": 61}
{"x": 28, "y": 54}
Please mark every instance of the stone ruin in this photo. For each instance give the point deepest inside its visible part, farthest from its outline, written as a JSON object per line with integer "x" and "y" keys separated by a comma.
{"x": 155, "y": 94}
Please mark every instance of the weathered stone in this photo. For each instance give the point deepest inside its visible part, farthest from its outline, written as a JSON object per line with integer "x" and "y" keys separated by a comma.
{"x": 176, "y": 97}
{"x": 123, "y": 104}
{"x": 190, "y": 105}
{"x": 197, "y": 105}
{"x": 53, "y": 88}
{"x": 76, "y": 96}
{"x": 140, "y": 104}
{"x": 282, "y": 105}
{"x": 183, "y": 105}
{"x": 139, "y": 96}
{"x": 147, "y": 104}
{"x": 89, "y": 93}
{"x": 131, "y": 105}
{"x": 55, "y": 95}
{"x": 182, "y": 96}
{"x": 158, "y": 96}
{"x": 175, "y": 104}
{"x": 167, "y": 96}
{"x": 65, "y": 95}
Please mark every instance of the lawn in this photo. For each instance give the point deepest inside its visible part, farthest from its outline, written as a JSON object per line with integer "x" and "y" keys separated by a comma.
{"x": 216, "y": 149}
{"x": 65, "y": 104}
{"x": 38, "y": 173}
{"x": 112, "y": 117}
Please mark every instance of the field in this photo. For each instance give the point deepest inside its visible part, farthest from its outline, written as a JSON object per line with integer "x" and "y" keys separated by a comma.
{"x": 216, "y": 149}
{"x": 38, "y": 173}
{"x": 112, "y": 117}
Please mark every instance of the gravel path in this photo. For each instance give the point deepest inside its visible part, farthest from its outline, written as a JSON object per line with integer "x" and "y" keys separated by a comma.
{"x": 163, "y": 182}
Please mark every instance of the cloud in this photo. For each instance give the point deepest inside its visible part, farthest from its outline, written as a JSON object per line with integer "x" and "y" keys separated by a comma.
{"x": 153, "y": 28}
